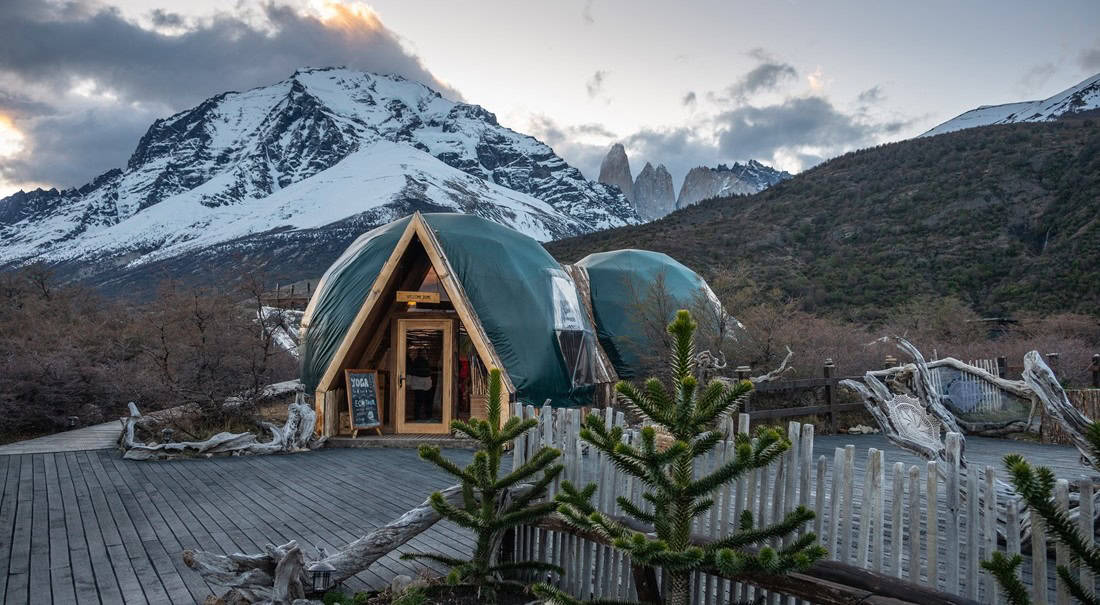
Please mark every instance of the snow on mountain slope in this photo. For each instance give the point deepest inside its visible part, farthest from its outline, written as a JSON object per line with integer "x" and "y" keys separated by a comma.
{"x": 380, "y": 174}
{"x": 1082, "y": 97}
{"x": 317, "y": 149}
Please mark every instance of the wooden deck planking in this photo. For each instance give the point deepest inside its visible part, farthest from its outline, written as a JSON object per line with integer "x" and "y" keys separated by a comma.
{"x": 62, "y": 586}
{"x": 93, "y": 437}
{"x": 88, "y": 527}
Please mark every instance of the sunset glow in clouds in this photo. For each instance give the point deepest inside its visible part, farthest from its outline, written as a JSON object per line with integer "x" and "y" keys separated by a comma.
{"x": 11, "y": 140}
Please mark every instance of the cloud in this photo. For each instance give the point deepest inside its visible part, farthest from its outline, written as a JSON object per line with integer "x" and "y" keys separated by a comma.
{"x": 872, "y": 95}
{"x": 793, "y": 135}
{"x": 129, "y": 74}
{"x": 595, "y": 83}
{"x": 582, "y": 145}
{"x": 768, "y": 75}
{"x": 1036, "y": 77}
{"x": 764, "y": 77}
{"x": 689, "y": 99}
{"x": 816, "y": 80}
{"x": 163, "y": 18}
{"x": 809, "y": 128}
{"x": 1090, "y": 58}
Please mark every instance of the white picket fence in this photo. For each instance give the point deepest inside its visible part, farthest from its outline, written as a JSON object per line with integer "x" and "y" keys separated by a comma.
{"x": 880, "y": 523}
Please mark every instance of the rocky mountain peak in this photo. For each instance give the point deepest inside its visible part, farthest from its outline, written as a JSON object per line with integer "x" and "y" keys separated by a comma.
{"x": 653, "y": 193}
{"x": 615, "y": 170}
{"x": 704, "y": 182}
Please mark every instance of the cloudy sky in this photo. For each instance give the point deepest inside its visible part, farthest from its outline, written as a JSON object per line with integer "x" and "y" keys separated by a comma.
{"x": 787, "y": 82}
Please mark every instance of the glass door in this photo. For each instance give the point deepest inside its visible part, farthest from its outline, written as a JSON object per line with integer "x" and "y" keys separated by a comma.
{"x": 424, "y": 374}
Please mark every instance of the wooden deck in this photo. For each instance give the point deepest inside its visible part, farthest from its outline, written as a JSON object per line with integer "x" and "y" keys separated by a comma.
{"x": 93, "y": 437}
{"x": 89, "y": 527}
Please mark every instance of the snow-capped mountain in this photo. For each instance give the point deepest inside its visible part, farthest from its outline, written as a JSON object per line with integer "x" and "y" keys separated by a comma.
{"x": 704, "y": 182}
{"x": 326, "y": 152}
{"x": 1082, "y": 97}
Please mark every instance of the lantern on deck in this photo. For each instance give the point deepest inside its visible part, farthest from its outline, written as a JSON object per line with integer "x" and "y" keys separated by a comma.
{"x": 320, "y": 573}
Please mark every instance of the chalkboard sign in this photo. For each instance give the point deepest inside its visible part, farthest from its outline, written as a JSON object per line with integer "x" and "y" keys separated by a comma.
{"x": 363, "y": 408}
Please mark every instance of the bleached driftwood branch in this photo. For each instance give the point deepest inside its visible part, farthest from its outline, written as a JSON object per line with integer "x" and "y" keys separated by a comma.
{"x": 256, "y": 578}
{"x": 296, "y": 435}
{"x": 1042, "y": 381}
{"x": 1039, "y": 385}
{"x": 784, "y": 366}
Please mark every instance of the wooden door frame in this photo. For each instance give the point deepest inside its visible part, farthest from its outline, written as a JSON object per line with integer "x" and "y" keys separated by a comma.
{"x": 447, "y": 397}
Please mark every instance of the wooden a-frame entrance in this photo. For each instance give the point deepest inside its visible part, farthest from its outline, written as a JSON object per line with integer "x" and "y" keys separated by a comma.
{"x": 417, "y": 252}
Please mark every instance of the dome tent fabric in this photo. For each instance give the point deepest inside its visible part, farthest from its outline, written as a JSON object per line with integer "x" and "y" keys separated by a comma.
{"x": 339, "y": 295}
{"x": 523, "y": 299}
{"x": 615, "y": 279}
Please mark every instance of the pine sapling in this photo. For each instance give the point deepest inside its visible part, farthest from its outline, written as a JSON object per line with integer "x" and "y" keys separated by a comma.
{"x": 674, "y": 495}
{"x": 1036, "y": 486}
{"x": 493, "y": 504}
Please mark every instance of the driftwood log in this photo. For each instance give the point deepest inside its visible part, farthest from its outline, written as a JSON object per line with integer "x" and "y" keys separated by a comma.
{"x": 256, "y": 578}
{"x": 1041, "y": 380}
{"x": 296, "y": 435}
{"x": 784, "y": 366}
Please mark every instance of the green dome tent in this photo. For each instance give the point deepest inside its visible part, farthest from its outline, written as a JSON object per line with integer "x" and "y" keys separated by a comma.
{"x": 618, "y": 279}
{"x": 524, "y": 302}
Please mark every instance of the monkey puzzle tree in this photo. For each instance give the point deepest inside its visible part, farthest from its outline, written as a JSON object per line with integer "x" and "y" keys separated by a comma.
{"x": 688, "y": 414}
{"x": 493, "y": 504}
{"x": 1036, "y": 486}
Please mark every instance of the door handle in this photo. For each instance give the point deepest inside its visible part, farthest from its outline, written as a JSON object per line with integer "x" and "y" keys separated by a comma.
{"x": 401, "y": 381}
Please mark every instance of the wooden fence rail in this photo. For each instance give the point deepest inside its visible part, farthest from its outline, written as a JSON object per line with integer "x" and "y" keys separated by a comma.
{"x": 910, "y": 523}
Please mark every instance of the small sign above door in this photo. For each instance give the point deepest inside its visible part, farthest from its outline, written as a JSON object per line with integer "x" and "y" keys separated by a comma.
{"x": 419, "y": 297}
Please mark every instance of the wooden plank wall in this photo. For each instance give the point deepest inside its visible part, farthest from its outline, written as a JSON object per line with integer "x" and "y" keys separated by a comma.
{"x": 913, "y": 522}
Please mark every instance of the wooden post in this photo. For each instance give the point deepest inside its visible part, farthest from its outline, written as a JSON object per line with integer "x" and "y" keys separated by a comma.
{"x": 1095, "y": 368}
{"x": 972, "y": 521}
{"x": 742, "y": 373}
{"x": 828, "y": 371}
{"x": 1086, "y": 521}
{"x": 914, "y": 525}
{"x": 836, "y": 509}
{"x": 1038, "y": 559}
{"x": 954, "y": 451}
{"x": 990, "y": 531}
{"x": 849, "y": 494}
{"x": 896, "y": 522}
{"x": 931, "y": 504}
{"x": 819, "y": 501}
{"x": 1061, "y": 551}
{"x": 867, "y": 505}
{"x": 1002, "y": 367}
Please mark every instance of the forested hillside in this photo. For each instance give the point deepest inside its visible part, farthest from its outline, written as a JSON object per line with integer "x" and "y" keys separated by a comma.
{"x": 1004, "y": 218}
